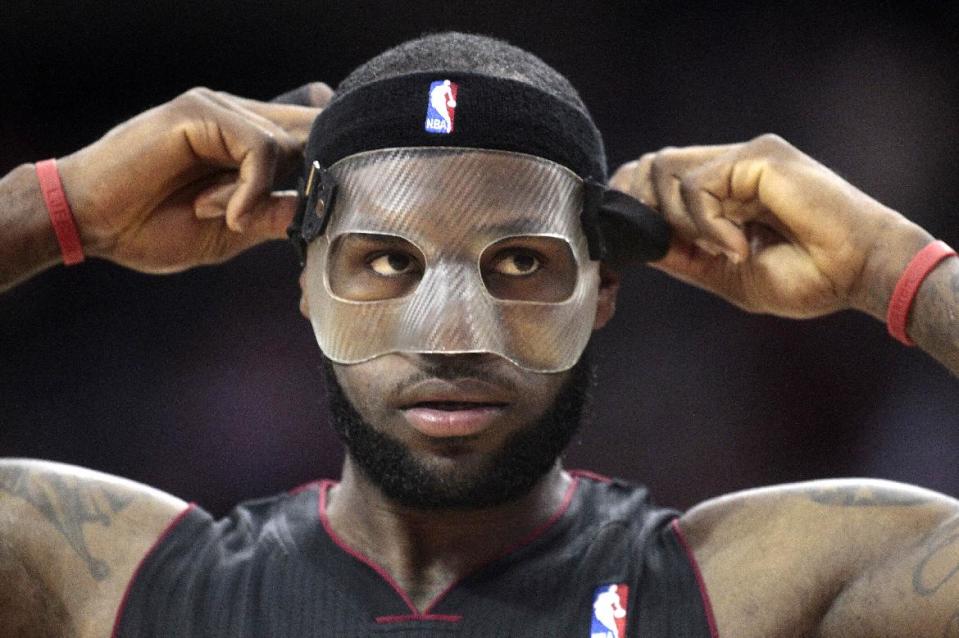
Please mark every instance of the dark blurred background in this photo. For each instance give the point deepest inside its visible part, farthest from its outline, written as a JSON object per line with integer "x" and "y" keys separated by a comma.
{"x": 206, "y": 384}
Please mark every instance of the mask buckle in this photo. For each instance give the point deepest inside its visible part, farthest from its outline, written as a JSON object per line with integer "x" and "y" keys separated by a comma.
{"x": 317, "y": 193}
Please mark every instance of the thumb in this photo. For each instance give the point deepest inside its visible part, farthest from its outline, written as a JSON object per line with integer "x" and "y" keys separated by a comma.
{"x": 689, "y": 263}
{"x": 268, "y": 221}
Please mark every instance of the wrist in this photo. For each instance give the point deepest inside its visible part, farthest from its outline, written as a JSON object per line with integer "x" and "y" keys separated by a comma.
{"x": 27, "y": 241}
{"x": 897, "y": 243}
{"x": 32, "y": 218}
{"x": 96, "y": 240}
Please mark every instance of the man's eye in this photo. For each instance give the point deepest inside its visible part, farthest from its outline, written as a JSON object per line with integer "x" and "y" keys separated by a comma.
{"x": 392, "y": 264}
{"x": 517, "y": 264}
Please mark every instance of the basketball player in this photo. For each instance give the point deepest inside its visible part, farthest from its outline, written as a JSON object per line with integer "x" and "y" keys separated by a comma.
{"x": 453, "y": 515}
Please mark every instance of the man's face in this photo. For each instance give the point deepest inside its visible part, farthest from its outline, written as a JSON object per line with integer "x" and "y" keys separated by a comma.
{"x": 456, "y": 290}
{"x": 441, "y": 431}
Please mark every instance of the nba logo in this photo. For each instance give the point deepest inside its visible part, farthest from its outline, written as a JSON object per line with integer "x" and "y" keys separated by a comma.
{"x": 609, "y": 612}
{"x": 441, "y": 107}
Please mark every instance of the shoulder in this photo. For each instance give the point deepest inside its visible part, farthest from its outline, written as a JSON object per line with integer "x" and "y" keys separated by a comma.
{"x": 783, "y": 553}
{"x": 603, "y": 499}
{"x": 823, "y": 504}
{"x": 72, "y": 538}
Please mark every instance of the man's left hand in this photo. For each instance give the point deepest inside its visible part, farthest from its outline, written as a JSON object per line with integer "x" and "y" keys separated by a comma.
{"x": 771, "y": 230}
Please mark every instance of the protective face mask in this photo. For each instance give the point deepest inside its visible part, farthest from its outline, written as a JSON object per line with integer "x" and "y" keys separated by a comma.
{"x": 453, "y": 250}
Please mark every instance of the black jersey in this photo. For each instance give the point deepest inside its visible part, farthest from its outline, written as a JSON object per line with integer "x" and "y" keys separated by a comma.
{"x": 608, "y": 564}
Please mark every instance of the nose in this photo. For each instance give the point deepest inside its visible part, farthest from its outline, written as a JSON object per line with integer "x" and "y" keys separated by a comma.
{"x": 453, "y": 311}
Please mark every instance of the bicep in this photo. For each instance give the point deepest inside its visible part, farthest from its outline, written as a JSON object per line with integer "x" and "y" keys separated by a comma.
{"x": 71, "y": 536}
{"x": 913, "y": 591}
{"x": 27, "y": 606}
{"x": 829, "y": 558}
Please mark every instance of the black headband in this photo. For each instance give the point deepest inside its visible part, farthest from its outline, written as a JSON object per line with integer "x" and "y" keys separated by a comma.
{"x": 489, "y": 113}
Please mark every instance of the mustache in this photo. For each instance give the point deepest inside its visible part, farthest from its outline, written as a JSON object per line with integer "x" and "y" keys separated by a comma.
{"x": 459, "y": 367}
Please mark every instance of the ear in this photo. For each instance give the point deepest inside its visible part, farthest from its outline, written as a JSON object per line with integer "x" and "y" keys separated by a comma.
{"x": 304, "y": 307}
{"x": 608, "y": 290}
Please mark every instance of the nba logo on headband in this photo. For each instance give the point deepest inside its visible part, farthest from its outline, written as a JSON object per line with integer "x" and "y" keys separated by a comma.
{"x": 441, "y": 107}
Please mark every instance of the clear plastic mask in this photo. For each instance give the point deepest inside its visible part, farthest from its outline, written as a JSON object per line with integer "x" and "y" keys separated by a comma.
{"x": 452, "y": 250}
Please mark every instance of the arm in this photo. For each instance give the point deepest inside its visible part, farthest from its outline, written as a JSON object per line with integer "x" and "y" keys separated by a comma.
{"x": 771, "y": 230}
{"x": 838, "y": 558}
{"x": 187, "y": 183}
{"x": 23, "y": 218}
{"x": 184, "y": 184}
{"x": 70, "y": 539}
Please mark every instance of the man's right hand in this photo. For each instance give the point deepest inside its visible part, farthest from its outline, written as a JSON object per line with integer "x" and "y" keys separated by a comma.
{"x": 190, "y": 182}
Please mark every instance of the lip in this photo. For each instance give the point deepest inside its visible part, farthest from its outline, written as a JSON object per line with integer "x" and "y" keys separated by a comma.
{"x": 446, "y": 423}
{"x": 477, "y": 405}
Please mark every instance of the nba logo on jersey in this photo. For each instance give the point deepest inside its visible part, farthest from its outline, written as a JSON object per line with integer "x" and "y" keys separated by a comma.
{"x": 441, "y": 107}
{"x": 609, "y": 612}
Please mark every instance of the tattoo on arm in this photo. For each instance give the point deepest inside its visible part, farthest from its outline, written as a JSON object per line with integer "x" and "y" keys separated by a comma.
{"x": 68, "y": 503}
{"x": 930, "y": 574}
{"x": 939, "y": 566}
{"x": 865, "y": 496}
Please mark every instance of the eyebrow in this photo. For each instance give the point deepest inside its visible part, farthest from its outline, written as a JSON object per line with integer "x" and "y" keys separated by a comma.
{"x": 380, "y": 238}
{"x": 526, "y": 223}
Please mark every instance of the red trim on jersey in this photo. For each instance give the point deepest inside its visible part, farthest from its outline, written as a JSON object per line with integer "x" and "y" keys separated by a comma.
{"x": 542, "y": 529}
{"x": 425, "y": 614}
{"x": 136, "y": 572}
{"x": 302, "y": 488}
{"x": 602, "y": 478}
{"x": 713, "y": 631}
{"x": 385, "y": 575}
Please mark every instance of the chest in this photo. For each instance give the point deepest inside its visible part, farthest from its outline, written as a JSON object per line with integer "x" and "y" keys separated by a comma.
{"x": 592, "y": 575}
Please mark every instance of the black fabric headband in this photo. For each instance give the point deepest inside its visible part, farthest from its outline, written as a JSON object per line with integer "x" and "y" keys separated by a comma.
{"x": 476, "y": 111}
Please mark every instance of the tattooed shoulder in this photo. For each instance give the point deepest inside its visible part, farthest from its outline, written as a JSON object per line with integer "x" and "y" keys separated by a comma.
{"x": 70, "y": 502}
{"x": 867, "y": 494}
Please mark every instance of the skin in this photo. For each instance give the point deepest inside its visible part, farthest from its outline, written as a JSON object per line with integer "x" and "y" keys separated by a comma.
{"x": 760, "y": 224}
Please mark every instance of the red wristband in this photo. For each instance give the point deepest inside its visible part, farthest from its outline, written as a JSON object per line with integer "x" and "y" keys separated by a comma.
{"x": 908, "y": 285}
{"x": 61, "y": 216}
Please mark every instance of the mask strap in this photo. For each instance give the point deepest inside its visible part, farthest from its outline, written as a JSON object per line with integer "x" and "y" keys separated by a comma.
{"x": 620, "y": 228}
{"x": 592, "y": 202}
{"x": 632, "y": 231}
{"x": 315, "y": 201}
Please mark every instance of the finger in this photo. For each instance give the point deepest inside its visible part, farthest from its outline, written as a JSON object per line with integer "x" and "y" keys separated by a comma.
{"x": 633, "y": 178}
{"x": 253, "y": 111}
{"x": 704, "y": 192}
{"x": 292, "y": 143}
{"x": 269, "y": 221}
{"x": 688, "y": 263}
{"x": 212, "y": 201}
{"x": 211, "y": 198}
{"x": 665, "y": 184}
{"x": 295, "y": 119}
{"x": 216, "y": 242}
{"x": 316, "y": 94}
{"x": 265, "y": 150}
{"x": 291, "y": 159}
{"x": 232, "y": 136}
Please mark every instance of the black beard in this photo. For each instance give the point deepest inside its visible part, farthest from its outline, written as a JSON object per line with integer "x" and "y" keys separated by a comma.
{"x": 511, "y": 472}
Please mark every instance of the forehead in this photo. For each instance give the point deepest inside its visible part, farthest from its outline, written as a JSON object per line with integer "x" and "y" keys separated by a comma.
{"x": 436, "y": 190}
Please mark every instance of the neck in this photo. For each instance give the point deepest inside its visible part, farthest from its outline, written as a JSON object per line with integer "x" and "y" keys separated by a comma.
{"x": 426, "y": 550}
